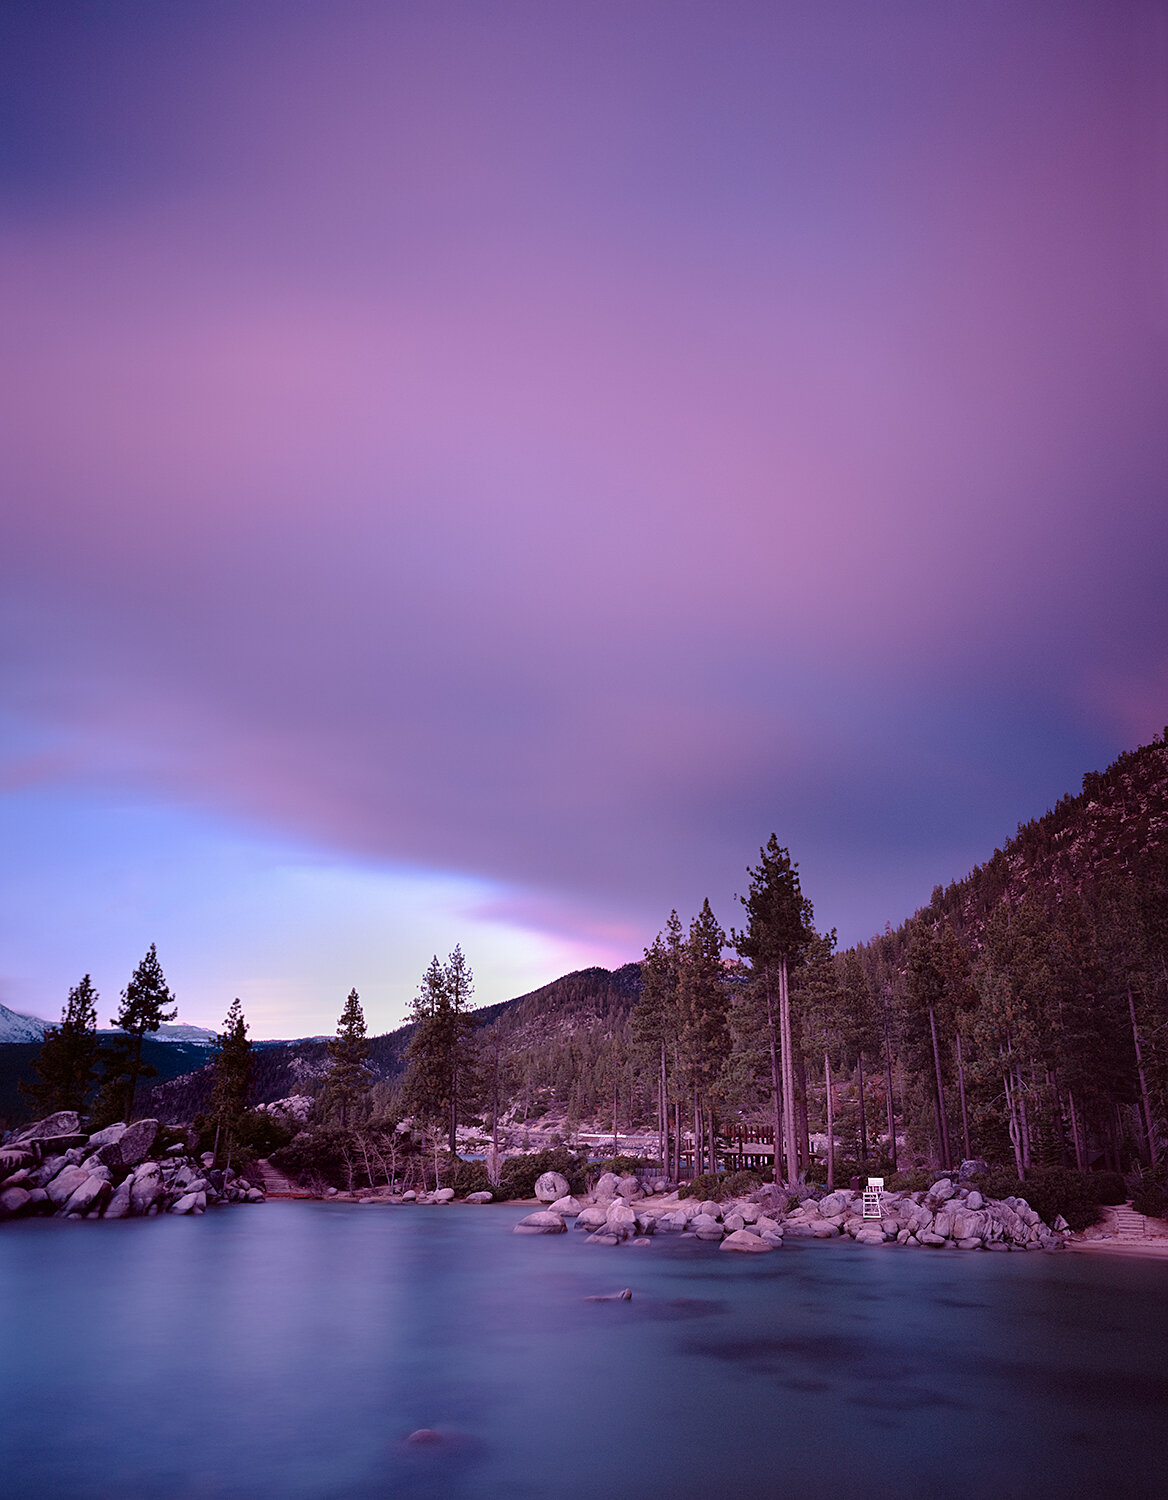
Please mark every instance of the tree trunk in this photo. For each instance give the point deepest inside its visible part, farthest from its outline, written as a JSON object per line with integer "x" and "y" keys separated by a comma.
{"x": 889, "y": 1102}
{"x": 961, "y": 1090}
{"x": 801, "y": 1111}
{"x": 863, "y": 1111}
{"x": 1149, "y": 1133}
{"x": 664, "y": 1114}
{"x": 790, "y": 1145}
{"x": 1012, "y": 1126}
{"x": 776, "y": 1090}
{"x": 1023, "y": 1119}
{"x": 1078, "y": 1145}
{"x": 830, "y": 1124}
{"x": 942, "y": 1124}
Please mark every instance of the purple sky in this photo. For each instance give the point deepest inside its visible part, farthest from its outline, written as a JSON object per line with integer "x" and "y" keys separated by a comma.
{"x": 471, "y": 473}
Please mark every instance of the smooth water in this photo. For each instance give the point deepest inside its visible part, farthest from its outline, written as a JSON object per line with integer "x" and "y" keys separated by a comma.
{"x": 287, "y": 1351}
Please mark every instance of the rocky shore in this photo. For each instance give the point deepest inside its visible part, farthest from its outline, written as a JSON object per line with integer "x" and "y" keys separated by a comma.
{"x": 55, "y": 1167}
{"x": 950, "y": 1215}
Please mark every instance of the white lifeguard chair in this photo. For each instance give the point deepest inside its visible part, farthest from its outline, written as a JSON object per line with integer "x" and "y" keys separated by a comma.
{"x": 874, "y": 1198}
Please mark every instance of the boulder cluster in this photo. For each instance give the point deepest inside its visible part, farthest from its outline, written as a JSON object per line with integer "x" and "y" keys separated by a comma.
{"x": 56, "y": 1167}
{"x": 949, "y": 1215}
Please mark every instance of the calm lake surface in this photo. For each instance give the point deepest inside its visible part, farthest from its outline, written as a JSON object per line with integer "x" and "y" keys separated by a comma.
{"x": 287, "y": 1351}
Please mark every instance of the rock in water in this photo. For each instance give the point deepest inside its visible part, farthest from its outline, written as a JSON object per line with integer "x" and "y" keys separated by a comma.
{"x": 147, "y": 1187}
{"x": 444, "y": 1195}
{"x": 483, "y": 1197}
{"x": 14, "y": 1200}
{"x": 743, "y": 1240}
{"x": 66, "y": 1183}
{"x": 551, "y": 1186}
{"x": 543, "y": 1222}
{"x": 626, "y": 1295}
{"x": 568, "y": 1206}
{"x": 119, "y": 1205}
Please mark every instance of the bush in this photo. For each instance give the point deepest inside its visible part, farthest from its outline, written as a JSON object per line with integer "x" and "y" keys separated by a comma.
{"x": 1051, "y": 1191}
{"x": 634, "y": 1164}
{"x": 467, "y": 1177}
{"x": 518, "y": 1174}
{"x": 1151, "y": 1198}
{"x": 1110, "y": 1187}
{"x": 916, "y": 1180}
{"x": 720, "y": 1185}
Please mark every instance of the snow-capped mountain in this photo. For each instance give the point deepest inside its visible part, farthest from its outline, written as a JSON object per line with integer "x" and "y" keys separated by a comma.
{"x": 17, "y": 1027}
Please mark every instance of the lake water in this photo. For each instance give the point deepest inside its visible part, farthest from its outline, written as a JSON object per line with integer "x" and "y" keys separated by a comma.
{"x": 288, "y": 1350}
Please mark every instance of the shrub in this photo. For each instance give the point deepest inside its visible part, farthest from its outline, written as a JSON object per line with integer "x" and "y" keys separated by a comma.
{"x": 634, "y": 1164}
{"x": 1110, "y": 1187}
{"x": 467, "y": 1177}
{"x": 518, "y": 1174}
{"x": 1051, "y": 1191}
{"x": 720, "y": 1185}
{"x": 915, "y": 1180}
{"x": 1151, "y": 1198}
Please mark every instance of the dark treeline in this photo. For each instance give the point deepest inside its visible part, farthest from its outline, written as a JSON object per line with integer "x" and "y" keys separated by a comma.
{"x": 1021, "y": 1017}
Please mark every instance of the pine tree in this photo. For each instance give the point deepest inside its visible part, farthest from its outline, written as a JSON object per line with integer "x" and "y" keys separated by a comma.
{"x": 348, "y": 1079}
{"x": 704, "y": 1030}
{"x": 66, "y": 1064}
{"x": 232, "y": 1066}
{"x": 779, "y": 927}
{"x": 144, "y": 1009}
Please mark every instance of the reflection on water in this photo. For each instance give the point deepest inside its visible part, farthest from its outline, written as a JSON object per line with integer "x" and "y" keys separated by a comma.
{"x": 289, "y": 1351}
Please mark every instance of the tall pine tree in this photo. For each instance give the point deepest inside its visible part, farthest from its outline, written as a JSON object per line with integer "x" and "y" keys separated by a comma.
{"x": 66, "y": 1064}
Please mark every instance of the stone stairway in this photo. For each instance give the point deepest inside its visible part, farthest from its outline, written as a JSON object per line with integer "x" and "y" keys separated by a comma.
{"x": 1125, "y": 1222}
{"x": 275, "y": 1184}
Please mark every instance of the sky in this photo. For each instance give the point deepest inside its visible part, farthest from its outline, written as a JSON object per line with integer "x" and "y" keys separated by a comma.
{"x": 469, "y": 474}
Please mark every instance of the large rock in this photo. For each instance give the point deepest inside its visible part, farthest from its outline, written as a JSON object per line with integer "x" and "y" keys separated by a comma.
{"x": 629, "y": 1187}
{"x": 119, "y": 1205}
{"x": 90, "y": 1194}
{"x": 620, "y": 1220}
{"x": 941, "y": 1191}
{"x": 64, "y": 1122}
{"x": 743, "y": 1240}
{"x": 137, "y": 1142}
{"x": 551, "y": 1186}
{"x": 605, "y": 1186}
{"x": 108, "y": 1136}
{"x": 443, "y": 1195}
{"x": 13, "y": 1201}
{"x": 186, "y": 1204}
{"x": 66, "y": 1183}
{"x": 835, "y": 1204}
{"x": 568, "y": 1207}
{"x": 592, "y": 1217}
{"x": 147, "y": 1188}
{"x": 543, "y": 1222}
{"x": 483, "y": 1197}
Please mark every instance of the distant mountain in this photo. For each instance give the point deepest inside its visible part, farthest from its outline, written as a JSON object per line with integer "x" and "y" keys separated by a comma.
{"x": 558, "y": 1021}
{"x": 17, "y": 1027}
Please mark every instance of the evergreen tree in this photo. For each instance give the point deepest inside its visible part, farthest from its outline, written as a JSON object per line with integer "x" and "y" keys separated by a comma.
{"x": 232, "y": 1066}
{"x": 66, "y": 1064}
{"x": 441, "y": 1077}
{"x": 144, "y": 1009}
{"x": 348, "y": 1079}
{"x": 704, "y": 1029}
{"x": 779, "y": 926}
